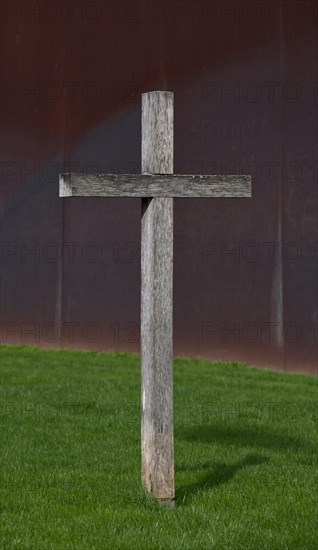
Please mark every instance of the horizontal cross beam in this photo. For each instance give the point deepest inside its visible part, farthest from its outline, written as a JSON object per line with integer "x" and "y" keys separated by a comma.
{"x": 154, "y": 185}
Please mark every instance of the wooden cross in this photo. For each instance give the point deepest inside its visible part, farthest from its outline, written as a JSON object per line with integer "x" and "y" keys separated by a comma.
{"x": 156, "y": 186}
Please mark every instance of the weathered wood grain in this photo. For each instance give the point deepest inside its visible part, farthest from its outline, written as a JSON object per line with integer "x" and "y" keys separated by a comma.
{"x": 154, "y": 185}
{"x": 157, "y": 132}
{"x": 157, "y": 185}
{"x": 156, "y": 303}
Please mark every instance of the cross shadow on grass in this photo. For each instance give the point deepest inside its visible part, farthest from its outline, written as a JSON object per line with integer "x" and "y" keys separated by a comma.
{"x": 260, "y": 437}
{"x": 254, "y": 436}
{"x": 218, "y": 474}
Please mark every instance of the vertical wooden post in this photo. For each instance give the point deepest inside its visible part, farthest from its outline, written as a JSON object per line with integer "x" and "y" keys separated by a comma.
{"x": 156, "y": 303}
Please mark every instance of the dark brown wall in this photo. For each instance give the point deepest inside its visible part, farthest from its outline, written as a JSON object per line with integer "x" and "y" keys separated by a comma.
{"x": 245, "y": 80}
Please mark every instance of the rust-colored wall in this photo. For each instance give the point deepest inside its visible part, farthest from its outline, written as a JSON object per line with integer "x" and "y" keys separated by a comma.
{"x": 245, "y": 81}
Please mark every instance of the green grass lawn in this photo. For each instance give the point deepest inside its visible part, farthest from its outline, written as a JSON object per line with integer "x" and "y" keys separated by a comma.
{"x": 245, "y": 455}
